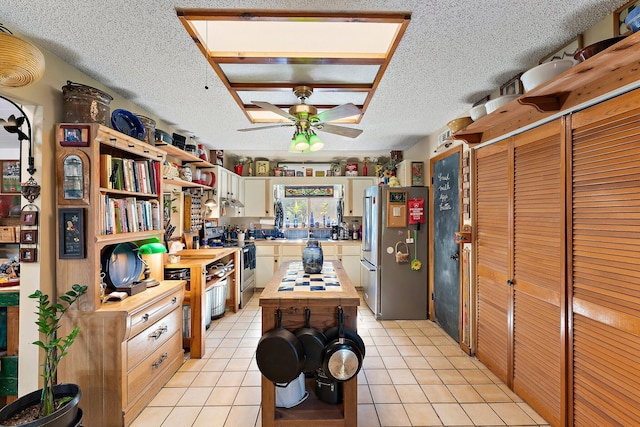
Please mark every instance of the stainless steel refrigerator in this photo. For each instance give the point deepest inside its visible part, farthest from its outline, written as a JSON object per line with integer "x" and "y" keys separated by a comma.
{"x": 393, "y": 290}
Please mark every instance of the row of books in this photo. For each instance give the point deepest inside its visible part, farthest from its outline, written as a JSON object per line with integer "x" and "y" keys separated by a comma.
{"x": 141, "y": 176}
{"x": 128, "y": 215}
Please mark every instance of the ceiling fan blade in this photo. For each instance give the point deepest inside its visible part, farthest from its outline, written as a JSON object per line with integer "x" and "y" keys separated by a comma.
{"x": 274, "y": 109}
{"x": 339, "y": 112}
{"x": 265, "y": 127}
{"x": 338, "y": 130}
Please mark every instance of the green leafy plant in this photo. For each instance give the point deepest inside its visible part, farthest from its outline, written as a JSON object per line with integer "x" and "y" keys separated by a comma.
{"x": 55, "y": 348}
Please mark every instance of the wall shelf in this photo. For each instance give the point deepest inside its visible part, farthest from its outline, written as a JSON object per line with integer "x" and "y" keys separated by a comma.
{"x": 182, "y": 155}
{"x": 611, "y": 69}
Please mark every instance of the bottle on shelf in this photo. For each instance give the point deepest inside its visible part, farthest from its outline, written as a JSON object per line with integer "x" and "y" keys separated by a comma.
{"x": 311, "y": 220}
{"x": 295, "y": 221}
{"x": 287, "y": 223}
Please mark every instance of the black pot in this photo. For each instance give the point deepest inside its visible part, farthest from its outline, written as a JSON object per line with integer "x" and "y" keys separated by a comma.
{"x": 67, "y": 416}
{"x": 342, "y": 357}
{"x": 280, "y": 355}
{"x": 350, "y": 334}
{"x": 327, "y": 390}
{"x": 313, "y": 342}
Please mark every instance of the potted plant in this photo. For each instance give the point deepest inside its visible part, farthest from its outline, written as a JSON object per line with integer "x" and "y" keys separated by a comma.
{"x": 55, "y": 404}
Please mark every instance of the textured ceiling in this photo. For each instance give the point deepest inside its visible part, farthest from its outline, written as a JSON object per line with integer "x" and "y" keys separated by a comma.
{"x": 453, "y": 53}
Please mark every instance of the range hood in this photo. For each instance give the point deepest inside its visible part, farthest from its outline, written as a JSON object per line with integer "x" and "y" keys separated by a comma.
{"x": 231, "y": 202}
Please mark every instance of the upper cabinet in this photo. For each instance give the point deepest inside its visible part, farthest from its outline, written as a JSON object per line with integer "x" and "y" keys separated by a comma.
{"x": 258, "y": 197}
{"x": 612, "y": 70}
{"x": 354, "y": 194}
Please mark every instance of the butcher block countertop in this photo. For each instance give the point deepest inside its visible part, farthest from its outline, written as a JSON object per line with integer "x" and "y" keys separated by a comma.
{"x": 211, "y": 253}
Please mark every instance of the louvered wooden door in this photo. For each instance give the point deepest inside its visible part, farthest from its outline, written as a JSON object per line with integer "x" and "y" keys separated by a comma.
{"x": 492, "y": 209}
{"x": 538, "y": 269}
{"x": 605, "y": 268}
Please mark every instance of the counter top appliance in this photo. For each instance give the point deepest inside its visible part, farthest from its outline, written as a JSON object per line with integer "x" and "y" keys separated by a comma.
{"x": 393, "y": 290}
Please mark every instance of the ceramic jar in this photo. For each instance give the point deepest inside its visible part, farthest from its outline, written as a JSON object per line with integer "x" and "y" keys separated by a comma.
{"x": 312, "y": 257}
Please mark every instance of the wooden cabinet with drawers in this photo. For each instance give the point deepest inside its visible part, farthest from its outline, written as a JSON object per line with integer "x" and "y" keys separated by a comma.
{"x": 125, "y": 353}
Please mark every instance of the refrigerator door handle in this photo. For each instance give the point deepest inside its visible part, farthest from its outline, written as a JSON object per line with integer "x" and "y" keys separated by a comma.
{"x": 366, "y": 264}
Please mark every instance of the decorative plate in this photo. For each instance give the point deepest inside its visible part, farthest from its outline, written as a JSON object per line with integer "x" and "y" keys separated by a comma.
{"x": 121, "y": 265}
{"x": 128, "y": 123}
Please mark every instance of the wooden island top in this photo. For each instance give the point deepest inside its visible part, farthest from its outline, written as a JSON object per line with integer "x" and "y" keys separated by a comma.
{"x": 324, "y": 311}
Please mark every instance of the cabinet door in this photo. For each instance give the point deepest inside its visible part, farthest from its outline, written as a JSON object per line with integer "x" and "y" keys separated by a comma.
{"x": 257, "y": 202}
{"x": 266, "y": 264}
{"x": 235, "y": 193}
{"x": 357, "y": 186}
{"x": 538, "y": 269}
{"x": 604, "y": 274}
{"x": 492, "y": 248}
{"x": 351, "y": 265}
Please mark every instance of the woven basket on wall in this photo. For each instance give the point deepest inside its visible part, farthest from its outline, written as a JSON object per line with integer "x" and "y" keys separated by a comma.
{"x": 21, "y": 62}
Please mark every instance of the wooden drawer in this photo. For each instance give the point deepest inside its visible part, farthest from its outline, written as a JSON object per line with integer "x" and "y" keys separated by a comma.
{"x": 146, "y": 372}
{"x": 148, "y": 315}
{"x": 153, "y": 337}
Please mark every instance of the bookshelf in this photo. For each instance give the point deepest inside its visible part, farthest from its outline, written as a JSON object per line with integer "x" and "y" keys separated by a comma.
{"x": 109, "y": 191}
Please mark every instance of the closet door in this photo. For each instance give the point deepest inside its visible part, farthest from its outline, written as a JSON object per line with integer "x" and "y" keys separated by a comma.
{"x": 538, "y": 269}
{"x": 492, "y": 209}
{"x": 605, "y": 268}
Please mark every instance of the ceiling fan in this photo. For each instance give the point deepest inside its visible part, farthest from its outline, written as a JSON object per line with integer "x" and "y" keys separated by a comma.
{"x": 306, "y": 118}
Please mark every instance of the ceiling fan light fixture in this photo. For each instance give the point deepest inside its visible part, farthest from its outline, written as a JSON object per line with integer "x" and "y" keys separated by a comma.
{"x": 301, "y": 142}
{"x": 315, "y": 143}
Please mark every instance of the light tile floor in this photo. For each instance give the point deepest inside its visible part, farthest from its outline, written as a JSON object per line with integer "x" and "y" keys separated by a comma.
{"x": 413, "y": 375}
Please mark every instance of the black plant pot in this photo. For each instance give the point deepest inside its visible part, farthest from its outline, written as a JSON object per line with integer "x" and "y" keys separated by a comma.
{"x": 67, "y": 416}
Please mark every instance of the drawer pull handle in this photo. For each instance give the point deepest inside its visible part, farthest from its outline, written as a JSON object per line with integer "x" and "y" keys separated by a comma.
{"x": 161, "y": 330}
{"x": 145, "y": 318}
{"x": 160, "y": 360}
{"x": 174, "y": 300}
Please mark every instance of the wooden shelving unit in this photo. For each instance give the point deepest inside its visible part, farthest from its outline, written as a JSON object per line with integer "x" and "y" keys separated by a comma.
{"x": 609, "y": 70}
{"x": 125, "y": 351}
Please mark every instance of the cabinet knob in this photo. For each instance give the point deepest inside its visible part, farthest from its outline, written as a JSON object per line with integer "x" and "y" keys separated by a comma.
{"x": 145, "y": 318}
{"x": 174, "y": 300}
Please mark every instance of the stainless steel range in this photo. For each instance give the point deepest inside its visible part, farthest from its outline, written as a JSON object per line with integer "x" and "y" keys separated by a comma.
{"x": 214, "y": 236}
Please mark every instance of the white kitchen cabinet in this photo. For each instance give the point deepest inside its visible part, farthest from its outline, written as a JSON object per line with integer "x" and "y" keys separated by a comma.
{"x": 266, "y": 264}
{"x": 350, "y": 258}
{"x": 258, "y": 198}
{"x": 355, "y": 194}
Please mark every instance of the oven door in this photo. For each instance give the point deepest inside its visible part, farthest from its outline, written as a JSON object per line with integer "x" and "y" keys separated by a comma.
{"x": 247, "y": 275}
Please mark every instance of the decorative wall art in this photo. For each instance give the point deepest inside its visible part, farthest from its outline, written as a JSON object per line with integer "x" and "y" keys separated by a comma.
{"x": 565, "y": 52}
{"x": 513, "y": 86}
{"x": 71, "y": 233}
{"x": 417, "y": 174}
{"x": 11, "y": 176}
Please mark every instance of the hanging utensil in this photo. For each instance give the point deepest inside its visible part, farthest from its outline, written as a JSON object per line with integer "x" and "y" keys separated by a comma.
{"x": 415, "y": 263}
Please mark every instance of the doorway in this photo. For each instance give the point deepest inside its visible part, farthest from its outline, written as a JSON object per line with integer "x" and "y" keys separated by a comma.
{"x": 446, "y": 257}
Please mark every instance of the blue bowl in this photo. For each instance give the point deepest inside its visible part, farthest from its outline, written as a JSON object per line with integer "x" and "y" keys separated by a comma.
{"x": 128, "y": 123}
{"x": 633, "y": 19}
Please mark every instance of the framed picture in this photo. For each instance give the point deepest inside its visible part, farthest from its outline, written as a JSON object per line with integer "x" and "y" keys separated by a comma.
{"x": 71, "y": 233}
{"x": 619, "y": 27}
{"x": 28, "y": 254}
{"x": 11, "y": 176}
{"x": 29, "y": 237}
{"x": 417, "y": 174}
{"x": 513, "y": 86}
{"x": 565, "y": 52}
{"x": 29, "y": 218}
{"x": 73, "y": 135}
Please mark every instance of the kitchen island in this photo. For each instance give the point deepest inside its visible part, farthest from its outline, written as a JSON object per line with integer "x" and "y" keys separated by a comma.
{"x": 293, "y": 300}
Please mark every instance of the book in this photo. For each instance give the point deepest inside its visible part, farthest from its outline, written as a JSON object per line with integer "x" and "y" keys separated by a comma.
{"x": 117, "y": 177}
{"x": 106, "y": 170}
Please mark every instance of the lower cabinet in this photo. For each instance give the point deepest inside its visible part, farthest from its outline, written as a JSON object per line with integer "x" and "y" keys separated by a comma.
{"x": 270, "y": 256}
{"x": 125, "y": 352}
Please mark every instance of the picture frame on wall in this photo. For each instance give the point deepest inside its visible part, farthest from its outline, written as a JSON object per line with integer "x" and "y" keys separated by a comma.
{"x": 565, "y": 52}
{"x": 29, "y": 237}
{"x": 28, "y": 254}
{"x": 11, "y": 176}
{"x": 619, "y": 16}
{"x": 29, "y": 218}
{"x": 513, "y": 86}
{"x": 71, "y": 233}
{"x": 417, "y": 174}
{"x": 73, "y": 135}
